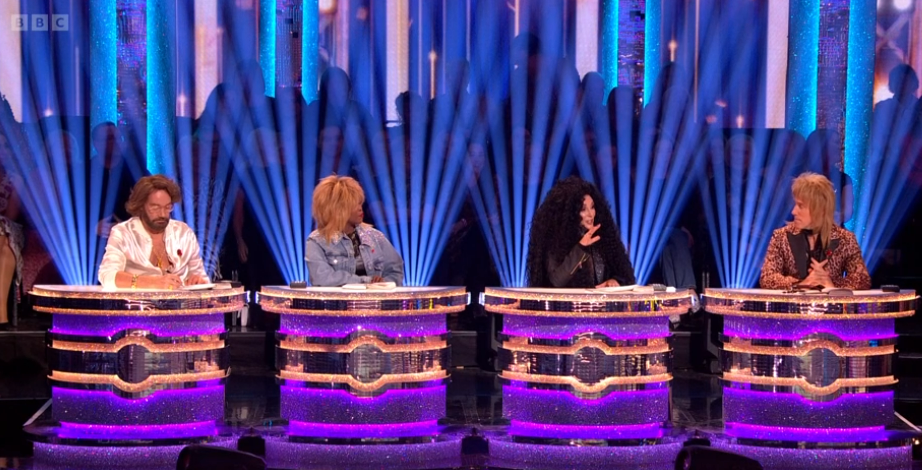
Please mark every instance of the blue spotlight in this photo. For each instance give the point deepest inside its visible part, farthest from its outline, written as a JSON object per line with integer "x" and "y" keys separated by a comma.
{"x": 742, "y": 203}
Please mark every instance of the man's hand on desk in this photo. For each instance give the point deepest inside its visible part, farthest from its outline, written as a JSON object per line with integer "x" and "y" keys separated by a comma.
{"x": 165, "y": 282}
{"x": 194, "y": 280}
{"x": 375, "y": 279}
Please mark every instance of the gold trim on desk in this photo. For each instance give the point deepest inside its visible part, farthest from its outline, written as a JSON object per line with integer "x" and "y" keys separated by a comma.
{"x": 360, "y": 386}
{"x": 801, "y": 383}
{"x": 580, "y": 386}
{"x": 117, "y": 382}
{"x": 431, "y": 345}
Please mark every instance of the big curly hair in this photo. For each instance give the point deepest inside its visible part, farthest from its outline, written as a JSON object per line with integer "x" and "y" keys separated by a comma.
{"x": 555, "y": 230}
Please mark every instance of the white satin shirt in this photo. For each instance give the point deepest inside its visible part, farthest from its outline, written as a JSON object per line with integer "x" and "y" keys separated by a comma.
{"x": 130, "y": 245}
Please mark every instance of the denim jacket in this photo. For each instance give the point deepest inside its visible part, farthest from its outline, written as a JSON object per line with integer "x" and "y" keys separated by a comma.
{"x": 333, "y": 263}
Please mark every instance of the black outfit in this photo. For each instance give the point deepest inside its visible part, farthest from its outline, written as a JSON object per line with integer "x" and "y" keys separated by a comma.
{"x": 359, "y": 262}
{"x": 586, "y": 266}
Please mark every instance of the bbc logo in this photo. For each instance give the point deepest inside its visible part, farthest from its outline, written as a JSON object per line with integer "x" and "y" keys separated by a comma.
{"x": 40, "y": 22}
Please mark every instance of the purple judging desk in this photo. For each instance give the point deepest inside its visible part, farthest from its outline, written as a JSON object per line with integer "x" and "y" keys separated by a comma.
{"x": 363, "y": 374}
{"x": 809, "y": 377}
{"x": 135, "y": 374}
{"x": 585, "y": 375}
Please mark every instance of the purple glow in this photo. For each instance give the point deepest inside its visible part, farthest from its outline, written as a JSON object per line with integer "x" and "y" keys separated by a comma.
{"x": 506, "y": 454}
{"x": 174, "y": 325}
{"x": 314, "y": 405}
{"x": 60, "y": 457}
{"x": 790, "y": 409}
{"x": 280, "y": 453}
{"x": 567, "y": 328}
{"x": 338, "y": 327}
{"x": 165, "y": 431}
{"x": 363, "y": 431}
{"x": 777, "y": 433}
{"x": 785, "y": 329}
{"x": 891, "y": 458}
{"x": 562, "y": 407}
{"x": 564, "y": 431}
{"x": 161, "y": 407}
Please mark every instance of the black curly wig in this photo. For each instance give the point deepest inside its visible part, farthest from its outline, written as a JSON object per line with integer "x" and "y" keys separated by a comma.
{"x": 555, "y": 230}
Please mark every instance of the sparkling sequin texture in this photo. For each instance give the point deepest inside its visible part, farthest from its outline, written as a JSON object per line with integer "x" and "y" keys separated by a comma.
{"x": 363, "y": 431}
{"x": 332, "y": 301}
{"x": 562, "y": 407}
{"x": 507, "y": 454}
{"x": 61, "y": 457}
{"x": 337, "y": 327}
{"x": 85, "y": 325}
{"x": 566, "y": 328}
{"x": 568, "y": 431}
{"x": 441, "y": 454}
{"x": 788, "y": 409}
{"x": 794, "y": 329}
{"x": 898, "y": 458}
{"x": 339, "y": 406}
{"x": 163, "y": 407}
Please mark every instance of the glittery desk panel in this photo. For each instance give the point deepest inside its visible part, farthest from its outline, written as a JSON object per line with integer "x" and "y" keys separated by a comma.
{"x": 584, "y": 364}
{"x": 793, "y": 410}
{"x": 335, "y": 301}
{"x": 281, "y": 453}
{"x": 585, "y": 303}
{"x": 311, "y": 405}
{"x": 810, "y": 370}
{"x": 564, "y": 408}
{"x": 504, "y": 453}
{"x": 67, "y": 457}
{"x": 94, "y": 301}
{"x": 364, "y": 374}
{"x": 162, "y": 407}
{"x": 776, "y": 458}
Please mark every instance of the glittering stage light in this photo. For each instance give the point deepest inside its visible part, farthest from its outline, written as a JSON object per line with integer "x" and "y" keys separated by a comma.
{"x": 742, "y": 203}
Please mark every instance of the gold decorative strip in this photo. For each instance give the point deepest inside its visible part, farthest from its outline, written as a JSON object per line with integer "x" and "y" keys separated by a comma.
{"x": 117, "y": 382}
{"x": 665, "y": 312}
{"x": 582, "y": 295}
{"x": 137, "y": 341}
{"x": 734, "y": 312}
{"x": 336, "y": 293}
{"x": 581, "y": 387}
{"x": 838, "y": 350}
{"x": 362, "y": 341}
{"x": 800, "y": 382}
{"x": 141, "y": 312}
{"x": 767, "y": 295}
{"x": 657, "y": 345}
{"x": 97, "y": 293}
{"x": 287, "y": 310}
{"x": 364, "y": 386}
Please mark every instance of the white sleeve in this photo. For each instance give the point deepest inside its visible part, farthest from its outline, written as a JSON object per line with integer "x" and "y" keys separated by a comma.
{"x": 114, "y": 260}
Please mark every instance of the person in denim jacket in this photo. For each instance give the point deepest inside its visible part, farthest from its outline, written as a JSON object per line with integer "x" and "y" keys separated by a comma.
{"x": 343, "y": 249}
